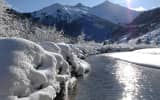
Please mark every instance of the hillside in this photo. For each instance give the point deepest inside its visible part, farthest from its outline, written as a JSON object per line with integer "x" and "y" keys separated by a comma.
{"x": 75, "y": 20}
{"x": 15, "y": 24}
{"x": 114, "y": 13}
{"x": 145, "y": 24}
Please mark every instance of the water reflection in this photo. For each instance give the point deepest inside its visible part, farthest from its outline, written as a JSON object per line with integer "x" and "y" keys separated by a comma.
{"x": 117, "y": 80}
{"x": 128, "y": 78}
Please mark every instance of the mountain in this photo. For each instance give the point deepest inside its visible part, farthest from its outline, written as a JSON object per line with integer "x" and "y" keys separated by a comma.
{"x": 75, "y": 20}
{"x": 63, "y": 12}
{"x": 114, "y": 13}
{"x": 148, "y": 17}
{"x": 97, "y": 23}
{"x": 146, "y": 27}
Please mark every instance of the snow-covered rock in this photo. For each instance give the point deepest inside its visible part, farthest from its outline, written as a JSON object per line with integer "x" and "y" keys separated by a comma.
{"x": 71, "y": 54}
{"x": 29, "y": 71}
{"x": 50, "y": 46}
{"x": 26, "y": 68}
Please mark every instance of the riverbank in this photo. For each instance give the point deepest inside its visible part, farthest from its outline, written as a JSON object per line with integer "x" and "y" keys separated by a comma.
{"x": 113, "y": 79}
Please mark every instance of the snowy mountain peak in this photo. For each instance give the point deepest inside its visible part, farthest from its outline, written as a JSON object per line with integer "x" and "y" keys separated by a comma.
{"x": 54, "y": 6}
{"x": 106, "y": 10}
{"x": 106, "y": 2}
{"x": 64, "y": 12}
{"x": 114, "y": 12}
{"x": 79, "y": 5}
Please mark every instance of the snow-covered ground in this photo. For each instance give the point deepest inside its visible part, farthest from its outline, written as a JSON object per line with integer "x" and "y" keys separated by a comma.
{"x": 29, "y": 71}
{"x": 147, "y": 57}
{"x": 152, "y": 37}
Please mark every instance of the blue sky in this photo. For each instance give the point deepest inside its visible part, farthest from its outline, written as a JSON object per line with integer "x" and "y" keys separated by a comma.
{"x": 32, "y": 5}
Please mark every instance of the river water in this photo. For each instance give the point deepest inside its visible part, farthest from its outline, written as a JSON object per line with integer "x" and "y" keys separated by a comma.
{"x": 112, "y": 79}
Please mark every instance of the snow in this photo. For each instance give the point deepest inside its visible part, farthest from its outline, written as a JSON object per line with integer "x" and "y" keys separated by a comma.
{"x": 29, "y": 71}
{"x": 50, "y": 46}
{"x": 73, "y": 12}
{"x": 71, "y": 54}
{"x": 147, "y": 57}
{"x": 107, "y": 10}
{"x": 152, "y": 37}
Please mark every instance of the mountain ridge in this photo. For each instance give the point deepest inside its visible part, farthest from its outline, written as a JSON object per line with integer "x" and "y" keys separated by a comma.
{"x": 108, "y": 11}
{"x": 114, "y": 12}
{"x": 74, "y": 20}
{"x": 143, "y": 28}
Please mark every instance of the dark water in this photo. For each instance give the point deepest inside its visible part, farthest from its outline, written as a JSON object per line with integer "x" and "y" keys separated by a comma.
{"x": 118, "y": 80}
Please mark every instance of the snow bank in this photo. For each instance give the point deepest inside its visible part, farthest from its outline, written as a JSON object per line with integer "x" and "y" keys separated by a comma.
{"x": 71, "y": 54}
{"x": 29, "y": 71}
{"x": 149, "y": 57}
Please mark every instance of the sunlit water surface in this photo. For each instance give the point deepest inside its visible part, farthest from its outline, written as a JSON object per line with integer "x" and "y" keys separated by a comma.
{"x": 118, "y": 80}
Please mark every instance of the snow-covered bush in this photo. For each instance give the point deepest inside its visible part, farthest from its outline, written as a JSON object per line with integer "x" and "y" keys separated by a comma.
{"x": 29, "y": 71}
{"x": 2, "y": 7}
{"x": 71, "y": 54}
{"x": 14, "y": 24}
{"x": 25, "y": 28}
{"x": 44, "y": 33}
{"x": 89, "y": 47}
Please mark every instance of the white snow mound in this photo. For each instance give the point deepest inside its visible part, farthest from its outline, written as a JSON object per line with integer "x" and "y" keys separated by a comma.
{"x": 71, "y": 54}
{"x": 149, "y": 57}
{"x": 29, "y": 71}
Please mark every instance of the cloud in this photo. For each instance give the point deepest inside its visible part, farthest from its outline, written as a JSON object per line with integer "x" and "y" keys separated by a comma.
{"x": 139, "y": 8}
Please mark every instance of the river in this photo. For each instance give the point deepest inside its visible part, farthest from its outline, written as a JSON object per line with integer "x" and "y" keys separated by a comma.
{"x": 112, "y": 79}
